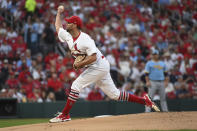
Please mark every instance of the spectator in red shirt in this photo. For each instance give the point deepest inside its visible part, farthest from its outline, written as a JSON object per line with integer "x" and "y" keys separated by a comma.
{"x": 50, "y": 56}
{"x": 19, "y": 46}
{"x": 54, "y": 83}
{"x": 28, "y": 86}
{"x": 24, "y": 74}
{"x": 35, "y": 96}
{"x": 12, "y": 81}
{"x": 95, "y": 95}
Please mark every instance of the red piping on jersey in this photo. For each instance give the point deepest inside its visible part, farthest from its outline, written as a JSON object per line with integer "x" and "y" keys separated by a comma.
{"x": 74, "y": 39}
{"x": 75, "y": 46}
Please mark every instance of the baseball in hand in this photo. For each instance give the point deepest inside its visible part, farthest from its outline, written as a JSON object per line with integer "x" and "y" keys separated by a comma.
{"x": 61, "y": 8}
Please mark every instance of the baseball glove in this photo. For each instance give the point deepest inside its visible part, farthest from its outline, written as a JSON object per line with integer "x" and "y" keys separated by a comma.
{"x": 78, "y": 59}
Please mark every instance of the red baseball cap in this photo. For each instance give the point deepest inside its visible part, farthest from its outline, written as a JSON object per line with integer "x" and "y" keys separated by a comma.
{"x": 75, "y": 20}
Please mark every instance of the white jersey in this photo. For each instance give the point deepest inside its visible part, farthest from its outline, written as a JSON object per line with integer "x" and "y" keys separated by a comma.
{"x": 98, "y": 72}
{"x": 83, "y": 45}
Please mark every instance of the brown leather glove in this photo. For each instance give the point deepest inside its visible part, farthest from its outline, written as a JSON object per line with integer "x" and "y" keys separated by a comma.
{"x": 78, "y": 59}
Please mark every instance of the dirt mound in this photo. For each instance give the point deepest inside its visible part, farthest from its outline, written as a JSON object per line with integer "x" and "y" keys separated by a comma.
{"x": 142, "y": 121}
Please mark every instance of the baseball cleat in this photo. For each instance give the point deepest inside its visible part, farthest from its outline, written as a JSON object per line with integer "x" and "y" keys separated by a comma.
{"x": 60, "y": 118}
{"x": 150, "y": 103}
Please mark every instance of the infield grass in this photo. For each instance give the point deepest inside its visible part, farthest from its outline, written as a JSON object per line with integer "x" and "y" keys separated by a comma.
{"x": 16, "y": 122}
{"x": 26, "y": 121}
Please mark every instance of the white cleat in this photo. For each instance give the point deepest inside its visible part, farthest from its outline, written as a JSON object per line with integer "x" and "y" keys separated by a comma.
{"x": 60, "y": 118}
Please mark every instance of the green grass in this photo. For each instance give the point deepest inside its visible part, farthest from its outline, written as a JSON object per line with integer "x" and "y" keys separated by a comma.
{"x": 22, "y": 121}
{"x": 16, "y": 122}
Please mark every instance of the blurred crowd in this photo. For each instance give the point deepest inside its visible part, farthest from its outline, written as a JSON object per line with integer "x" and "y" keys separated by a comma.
{"x": 36, "y": 67}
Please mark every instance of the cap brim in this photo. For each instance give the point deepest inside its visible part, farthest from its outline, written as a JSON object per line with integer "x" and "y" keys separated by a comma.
{"x": 67, "y": 20}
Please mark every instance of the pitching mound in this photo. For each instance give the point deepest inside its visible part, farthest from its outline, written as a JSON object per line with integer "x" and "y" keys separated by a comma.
{"x": 142, "y": 121}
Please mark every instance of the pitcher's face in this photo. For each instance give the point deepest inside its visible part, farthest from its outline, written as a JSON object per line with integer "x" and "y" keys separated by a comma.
{"x": 69, "y": 26}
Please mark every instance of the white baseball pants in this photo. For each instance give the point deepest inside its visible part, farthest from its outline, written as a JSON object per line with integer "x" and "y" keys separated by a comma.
{"x": 100, "y": 75}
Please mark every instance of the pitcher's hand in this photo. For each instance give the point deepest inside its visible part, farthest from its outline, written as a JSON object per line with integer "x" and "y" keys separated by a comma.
{"x": 60, "y": 9}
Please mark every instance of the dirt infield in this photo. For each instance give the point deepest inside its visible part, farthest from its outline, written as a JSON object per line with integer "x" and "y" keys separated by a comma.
{"x": 142, "y": 121}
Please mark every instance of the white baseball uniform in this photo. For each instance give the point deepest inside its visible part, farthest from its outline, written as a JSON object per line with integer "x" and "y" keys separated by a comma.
{"x": 98, "y": 72}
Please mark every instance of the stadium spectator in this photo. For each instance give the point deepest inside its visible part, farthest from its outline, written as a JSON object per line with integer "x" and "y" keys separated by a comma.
{"x": 124, "y": 65}
{"x": 170, "y": 91}
{"x": 4, "y": 73}
{"x": 39, "y": 60}
{"x": 128, "y": 87}
{"x": 169, "y": 63}
{"x": 19, "y": 46}
{"x": 11, "y": 33}
{"x": 59, "y": 63}
{"x": 161, "y": 45}
{"x": 3, "y": 29}
{"x": 34, "y": 37}
{"x": 49, "y": 37}
{"x": 181, "y": 89}
{"x": 51, "y": 97}
{"x": 54, "y": 83}
{"x": 24, "y": 74}
{"x": 30, "y": 6}
{"x": 5, "y": 50}
{"x": 95, "y": 95}
{"x": 23, "y": 60}
{"x": 12, "y": 82}
{"x": 113, "y": 67}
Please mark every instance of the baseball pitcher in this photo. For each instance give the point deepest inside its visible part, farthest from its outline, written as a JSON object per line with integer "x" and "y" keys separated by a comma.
{"x": 97, "y": 71}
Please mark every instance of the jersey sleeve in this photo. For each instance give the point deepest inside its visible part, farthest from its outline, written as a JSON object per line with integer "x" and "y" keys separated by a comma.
{"x": 147, "y": 68}
{"x": 90, "y": 47}
{"x": 64, "y": 36}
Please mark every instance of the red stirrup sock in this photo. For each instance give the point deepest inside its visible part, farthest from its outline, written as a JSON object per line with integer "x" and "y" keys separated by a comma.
{"x": 125, "y": 96}
{"x": 72, "y": 98}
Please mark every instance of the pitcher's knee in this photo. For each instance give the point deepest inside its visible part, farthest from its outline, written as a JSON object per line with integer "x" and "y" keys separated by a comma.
{"x": 76, "y": 86}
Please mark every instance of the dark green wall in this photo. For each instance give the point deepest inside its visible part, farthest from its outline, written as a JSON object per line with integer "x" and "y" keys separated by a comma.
{"x": 80, "y": 109}
{"x": 89, "y": 109}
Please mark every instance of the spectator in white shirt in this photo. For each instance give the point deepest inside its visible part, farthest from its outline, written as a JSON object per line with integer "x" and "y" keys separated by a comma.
{"x": 169, "y": 63}
{"x": 133, "y": 27}
{"x": 5, "y": 49}
{"x": 12, "y": 33}
{"x": 113, "y": 67}
{"x": 3, "y": 29}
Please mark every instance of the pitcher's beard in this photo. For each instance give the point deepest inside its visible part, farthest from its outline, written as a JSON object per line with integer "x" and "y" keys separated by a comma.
{"x": 68, "y": 30}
